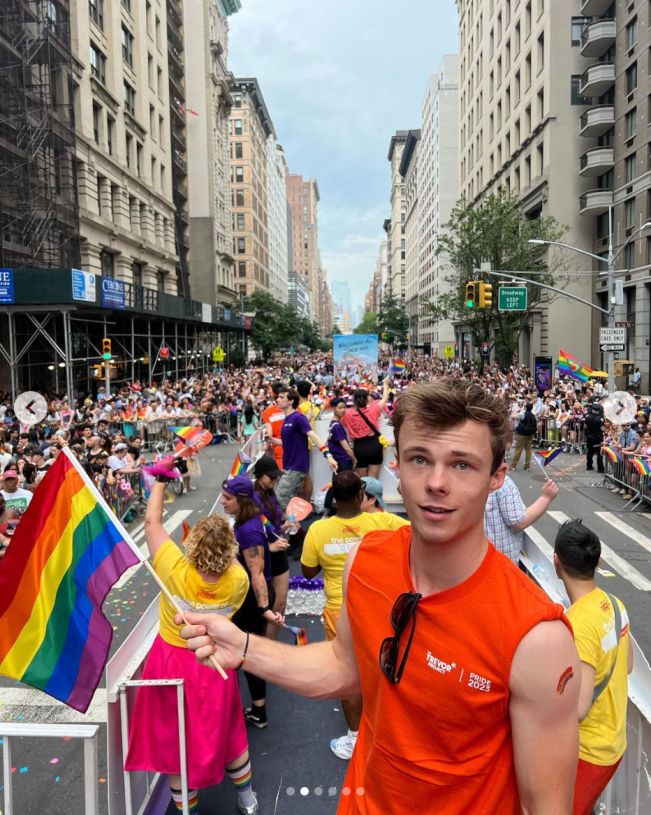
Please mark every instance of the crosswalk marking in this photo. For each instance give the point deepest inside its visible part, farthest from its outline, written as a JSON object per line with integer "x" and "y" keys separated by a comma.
{"x": 29, "y": 705}
{"x": 623, "y": 567}
{"x": 620, "y": 526}
{"x": 172, "y": 523}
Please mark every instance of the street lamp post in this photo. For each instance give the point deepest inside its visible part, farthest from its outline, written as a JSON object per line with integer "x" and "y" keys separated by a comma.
{"x": 610, "y": 262}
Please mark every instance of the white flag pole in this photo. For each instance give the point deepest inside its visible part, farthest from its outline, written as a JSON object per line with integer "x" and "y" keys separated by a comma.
{"x": 130, "y": 543}
{"x": 541, "y": 467}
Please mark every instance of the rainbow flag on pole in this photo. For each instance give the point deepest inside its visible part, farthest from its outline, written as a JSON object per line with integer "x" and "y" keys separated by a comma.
{"x": 544, "y": 457}
{"x": 240, "y": 464}
{"x": 67, "y": 552}
{"x": 570, "y": 366}
{"x": 611, "y": 454}
{"x": 299, "y": 634}
{"x": 398, "y": 366}
{"x": 642, "y": 466}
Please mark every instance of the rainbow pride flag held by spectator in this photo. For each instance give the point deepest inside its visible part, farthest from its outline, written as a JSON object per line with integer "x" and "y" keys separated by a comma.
{"x": 67, "y": 552}
{"x": 299, "y": 634}
{"x": 398, "y": 366}
{"x": 543, "y": 457}
{"x": 642, "y": 466}
{"x": 240, "y": 464}
{"x": 186, "y": 433}
{"x": 570, "y": 366}
{"x": 611, "y": 454}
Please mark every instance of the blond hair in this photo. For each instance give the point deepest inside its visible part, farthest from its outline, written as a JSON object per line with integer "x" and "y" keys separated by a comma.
{"x": 211, "y": 546}
{"x": 446, "y": 402}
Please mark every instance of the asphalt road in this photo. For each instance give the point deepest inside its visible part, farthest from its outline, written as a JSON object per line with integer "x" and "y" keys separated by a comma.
{"x": 294, "y": 770}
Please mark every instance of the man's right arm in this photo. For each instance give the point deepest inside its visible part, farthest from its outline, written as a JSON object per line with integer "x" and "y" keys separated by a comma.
{"x": 323, "y": 670}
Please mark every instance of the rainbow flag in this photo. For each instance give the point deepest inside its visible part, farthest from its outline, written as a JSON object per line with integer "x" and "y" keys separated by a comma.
{"x": 570, "y": 366}
{"x": 611, "y": 454}
{"x": 67, "y": 552}
{"x": 543, "y": 457}
{"x": 240, "y": 465}
{"x": 398, "y": 366}
{"x": 642, "y": 466}
{"x": 186, "y": 433}
{"x": 299, "y": 634}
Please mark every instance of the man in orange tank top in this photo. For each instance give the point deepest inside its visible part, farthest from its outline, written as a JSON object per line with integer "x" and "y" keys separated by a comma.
{"x": 468, "y": 673}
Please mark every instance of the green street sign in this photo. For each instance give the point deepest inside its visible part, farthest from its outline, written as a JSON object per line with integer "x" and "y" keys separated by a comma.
{"x": 512, "y": 298}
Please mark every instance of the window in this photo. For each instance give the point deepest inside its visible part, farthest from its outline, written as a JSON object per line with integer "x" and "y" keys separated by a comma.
{"x": 630, "y": 124}
{"x": 629, "y": 212}
{"x": 631, "y": 33}
{"x": 237, "y": 100}
{"x": 148, "y": 17}
{"x": 107, "y": 263}
{"x": 136, "y": 271}
{"x": 97, "y": 122}
{"x": 241, "y": 268}
{"x": 241, "y": 246}
{"x": 160, "y": 280}
{"x": 129, "y": 149}
{"x": 540, "y": 52}
{"x": 139, "y": 152}
{"x": 129, "y": 99}
{"x": 578, "y": 24}
{"x": 629, "y": 255}
{"x": 239, "y": 174}
{"x": 52, "y": 16}
{"x": 97, "y": 64}
{"x": 238, "y": 127}
{"x": 239, "y": 149}
{"x": 239, "y": 198}
{"x": 240, "y": 226}
{"x": 575, "y": 95}
{"x": 127, "y": 46}
{"x": 157, "y": 33}
{"x": 631, "y": 78}
{"x": 96, "y": 12}
{"x": 152, "y": 122}
{"x": 110, "y": 134}
{"x": 629, "y": 168}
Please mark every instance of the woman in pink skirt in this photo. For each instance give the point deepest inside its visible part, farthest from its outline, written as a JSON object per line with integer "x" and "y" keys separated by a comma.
{"x": 207, "y": 578}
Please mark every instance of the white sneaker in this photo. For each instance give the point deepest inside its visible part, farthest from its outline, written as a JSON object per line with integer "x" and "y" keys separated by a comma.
{"x": 250, "y": 810}
{"x": 343, "y": 747}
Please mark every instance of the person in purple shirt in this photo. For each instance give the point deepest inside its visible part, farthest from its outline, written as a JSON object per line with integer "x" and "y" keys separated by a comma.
{"x": 266, "y": 474}
{"x": 254, "y": 554}
{"x": 338, "y": 445}
{"x": 295, "y": 432}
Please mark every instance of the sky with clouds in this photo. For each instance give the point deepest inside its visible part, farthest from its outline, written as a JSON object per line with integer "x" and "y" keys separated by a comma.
{"x": 339, "y": 77}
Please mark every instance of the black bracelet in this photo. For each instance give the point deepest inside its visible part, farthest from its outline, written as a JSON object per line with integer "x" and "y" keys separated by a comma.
{"x": 163, "y": 479}
{"x": 244, "y": 652}
{"x": 264, "y": 609}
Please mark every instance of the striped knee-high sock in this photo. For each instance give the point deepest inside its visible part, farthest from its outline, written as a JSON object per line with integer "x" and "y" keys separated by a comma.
{"x": 193, "y": 800}
{"x": 241, "y": 778}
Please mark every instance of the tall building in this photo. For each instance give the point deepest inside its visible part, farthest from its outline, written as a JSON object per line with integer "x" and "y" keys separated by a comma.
{"x": 616, "y": 157}
{"x": 409, "y": 173}
{"x": 122, "y": 110}
{"x": 373, "y": 297}
{"x": 206, "y": 117}
{"x": 303, "y": 199}
{"x": 521, "y": 66}
{"x": 340, "y": 294}
{"x": 277, "y": 171}
{"x": 39, "y": 217}
{"x": 250, "y": 129}
{"x": 396, "y": 225}
{"x": 438, "y": 185}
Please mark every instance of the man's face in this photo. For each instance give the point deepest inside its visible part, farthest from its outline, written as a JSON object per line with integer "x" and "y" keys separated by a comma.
{"x": 445, "y": 479}
{"x": 282, "y": 401}
{"x": 10, "y": 483}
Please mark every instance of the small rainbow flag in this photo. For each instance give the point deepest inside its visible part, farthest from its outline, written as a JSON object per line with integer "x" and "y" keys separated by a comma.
{"x": 240, "y": 464}
{"x": 543, "y": 457}
{"x": 299, "y": 634}
{"x": 570, "y": 366}
{"x": 185, "y": 526}
{"x": 642, "y": 466}
{"x": 398, "y": 366}
{"x": 186, "y": 433}
{"x": 67, "y": 552}
{"x": 611, "y": 454}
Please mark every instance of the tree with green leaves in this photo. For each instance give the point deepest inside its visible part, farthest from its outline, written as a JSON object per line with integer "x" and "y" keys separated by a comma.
{"x": 393, "y": 322}
{"x": 276, "y": 326}
{"x": 495, "y": 232}
{"x": 368, "y": 324}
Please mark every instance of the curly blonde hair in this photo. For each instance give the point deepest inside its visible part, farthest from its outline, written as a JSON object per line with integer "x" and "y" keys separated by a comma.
{"x": 211, "y": 546}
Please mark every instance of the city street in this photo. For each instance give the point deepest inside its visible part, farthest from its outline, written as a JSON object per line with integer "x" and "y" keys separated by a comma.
{"x": 294, "y": 769}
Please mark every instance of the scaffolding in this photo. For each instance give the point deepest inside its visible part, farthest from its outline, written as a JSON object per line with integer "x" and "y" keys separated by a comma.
{"x": 39, "y": 215}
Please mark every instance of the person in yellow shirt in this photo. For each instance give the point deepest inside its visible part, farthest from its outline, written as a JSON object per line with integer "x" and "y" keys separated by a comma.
{"x": 326, "y": 548}
{"x": 602, "y": 636}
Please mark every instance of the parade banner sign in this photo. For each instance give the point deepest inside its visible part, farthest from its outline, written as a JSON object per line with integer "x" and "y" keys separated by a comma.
{"x": 355, "y": 354}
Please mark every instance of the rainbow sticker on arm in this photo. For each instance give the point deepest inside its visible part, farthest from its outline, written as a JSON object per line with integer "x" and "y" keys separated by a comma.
{"x": 565, "y": 677}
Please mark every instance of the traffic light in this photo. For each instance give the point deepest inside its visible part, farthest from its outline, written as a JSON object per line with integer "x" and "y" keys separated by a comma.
{"x": 106, "y": 349}
{"x": 485, "y": 295}
{"x": 471, "y": 294}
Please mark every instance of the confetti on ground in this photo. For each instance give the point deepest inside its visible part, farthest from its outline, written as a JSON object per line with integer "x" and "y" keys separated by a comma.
{"x": 24, "y": 769}
{"x": 102, "y": 781}
{"x": 57, "y": 779}
{"x": 14, "y": 769}
{"x": 54, "y": 761}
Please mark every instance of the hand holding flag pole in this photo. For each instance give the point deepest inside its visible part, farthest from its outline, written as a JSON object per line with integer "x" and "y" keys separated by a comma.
{"x": 542, "y": 467}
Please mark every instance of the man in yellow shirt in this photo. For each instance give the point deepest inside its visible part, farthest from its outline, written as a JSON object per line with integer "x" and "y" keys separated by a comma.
{"x": 326, "y": 548}
{"x": 601, "y": 633}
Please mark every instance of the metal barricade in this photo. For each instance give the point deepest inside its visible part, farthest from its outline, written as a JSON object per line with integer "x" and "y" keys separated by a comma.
{"x": 87, "y": 732}
{"x": 621, "y": 474}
